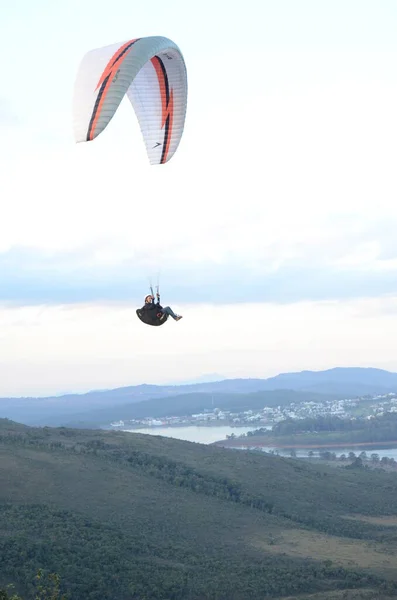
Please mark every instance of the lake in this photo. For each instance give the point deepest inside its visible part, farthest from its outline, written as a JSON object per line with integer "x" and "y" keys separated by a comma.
{"x": 300, "y": 453}
{"x": 195, "y": 433}
{"x": 208, "y": 435}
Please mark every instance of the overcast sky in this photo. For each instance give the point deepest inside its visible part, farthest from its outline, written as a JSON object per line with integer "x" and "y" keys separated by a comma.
{"x": 277, "y": 240}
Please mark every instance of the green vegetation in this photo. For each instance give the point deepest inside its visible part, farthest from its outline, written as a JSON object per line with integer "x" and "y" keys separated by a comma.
{"x": 131, "y": 517}
{"x": 331, "y": 429}
{"x": 46, "y": 588}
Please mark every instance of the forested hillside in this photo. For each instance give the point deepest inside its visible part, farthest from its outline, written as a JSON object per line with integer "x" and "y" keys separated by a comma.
{"x": 129, "y": 516}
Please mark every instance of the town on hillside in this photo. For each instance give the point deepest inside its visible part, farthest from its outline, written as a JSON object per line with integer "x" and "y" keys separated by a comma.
{"x": 368, "y": 406}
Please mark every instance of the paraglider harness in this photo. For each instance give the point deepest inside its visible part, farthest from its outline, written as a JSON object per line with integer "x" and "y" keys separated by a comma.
{"x": 161, "y": 317}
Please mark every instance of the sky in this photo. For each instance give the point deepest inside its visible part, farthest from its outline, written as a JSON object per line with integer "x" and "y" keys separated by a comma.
{"x": 277, "y": 240}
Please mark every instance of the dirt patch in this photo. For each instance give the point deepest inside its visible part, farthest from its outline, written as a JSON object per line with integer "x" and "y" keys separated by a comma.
{"x": 346, "y": 552}
{"x": 388, "y": 521}
{"x": 350, "y": 594}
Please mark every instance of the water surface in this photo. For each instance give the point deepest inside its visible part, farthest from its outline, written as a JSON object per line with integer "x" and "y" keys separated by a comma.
{"x": 195, "y": 433}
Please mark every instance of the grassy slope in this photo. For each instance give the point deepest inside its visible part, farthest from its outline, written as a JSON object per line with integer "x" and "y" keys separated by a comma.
{"x": 168, "y": 525}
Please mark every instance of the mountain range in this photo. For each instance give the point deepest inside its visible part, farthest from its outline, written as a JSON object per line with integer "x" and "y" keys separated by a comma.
{"x": 97, "y": 407}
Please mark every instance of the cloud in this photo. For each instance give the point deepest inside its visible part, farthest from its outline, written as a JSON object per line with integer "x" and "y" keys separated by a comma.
{"x": 82, "y": 347}
{"x": 8, "y": 117}
{"x": 283, "y": 190}
{"x": 327, "y": 265}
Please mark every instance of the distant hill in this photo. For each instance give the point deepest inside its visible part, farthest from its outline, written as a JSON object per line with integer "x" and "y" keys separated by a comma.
{"x": 347, "y": 381}
{"x": 129, "y": 516}
{"x": 339, "y": 382}
{"x": 187, "y": 404}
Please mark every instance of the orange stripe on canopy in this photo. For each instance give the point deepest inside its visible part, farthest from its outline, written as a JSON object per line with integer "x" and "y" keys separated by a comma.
{"x": 170, "y": 123}
{"x": 108, "y": 76}
{"x": 167, "y": 105}
{"x": 115, "y": 61}
{"x": 163, "y": 89}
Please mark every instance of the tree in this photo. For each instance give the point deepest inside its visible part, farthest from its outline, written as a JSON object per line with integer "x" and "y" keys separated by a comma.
{"x": 356, "y": 464}
{"x": 49, "y": 590}
{"x": 4, "y": 595}
{"x": 375, "y": 457}
{"x": 325, "y": 455}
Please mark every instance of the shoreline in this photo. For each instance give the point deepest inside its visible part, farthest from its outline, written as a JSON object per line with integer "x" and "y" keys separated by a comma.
{"x": 179, "y": 425}
{"x": 232, "y": 443}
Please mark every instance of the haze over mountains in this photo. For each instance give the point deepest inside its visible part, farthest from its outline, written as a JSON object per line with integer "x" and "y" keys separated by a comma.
{"x": 98, "y": 407}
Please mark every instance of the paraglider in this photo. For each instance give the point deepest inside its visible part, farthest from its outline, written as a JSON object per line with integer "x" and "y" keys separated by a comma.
{"x": 152, "y": 313}
{"x": 151, "y": 71}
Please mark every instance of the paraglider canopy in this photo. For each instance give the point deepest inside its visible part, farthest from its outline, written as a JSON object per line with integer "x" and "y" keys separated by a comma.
{"x": 151, "y": 71}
